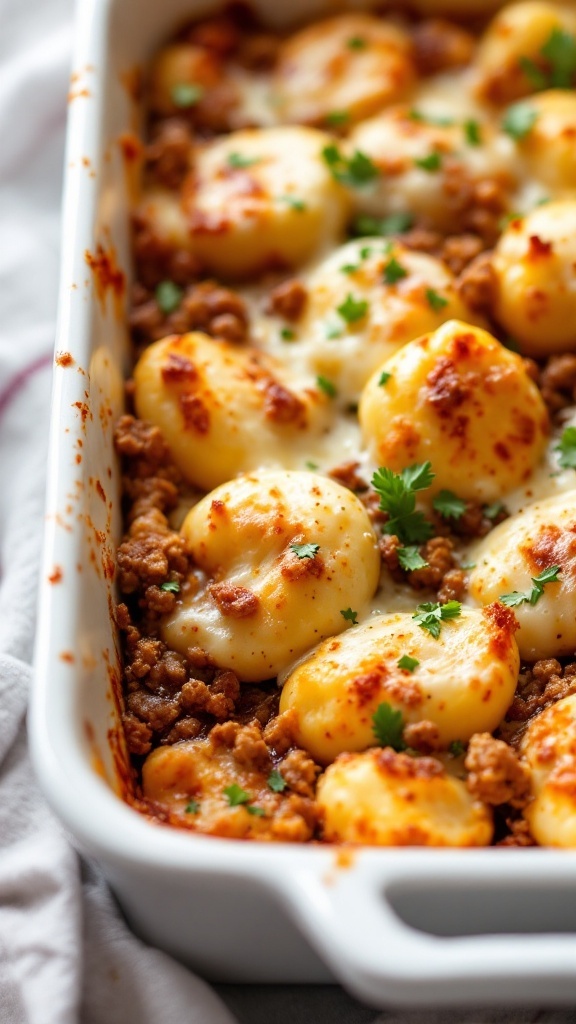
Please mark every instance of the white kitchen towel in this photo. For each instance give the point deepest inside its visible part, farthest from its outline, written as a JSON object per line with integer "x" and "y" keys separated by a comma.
{"x": 66, "y": 956}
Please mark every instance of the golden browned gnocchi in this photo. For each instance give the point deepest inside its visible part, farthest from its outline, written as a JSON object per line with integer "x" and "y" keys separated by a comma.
{"x": 539, "y": 538}
{"x": 513, "y": 49}
{"x": 381, "y": 798}
{"x": 368, "y": 299}
{"x": 429, "y": 161}
{"x": 461, "y": 400}
{"x": 549, "y": 749}
{"x": 354, "y": 63}
{"x": 463, "y": 681}
{"x": 282, "y": 554}
{"x": 183, "y": 75}
{"x": 549, "y": 147}
{"x": 535, "y": 267}
{"x": 225, "y": 409}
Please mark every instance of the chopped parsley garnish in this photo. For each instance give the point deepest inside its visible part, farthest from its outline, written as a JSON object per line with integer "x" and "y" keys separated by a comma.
{"x": 435, "y": 119}
{"x": 408, "y": 663}
{"x": 171, "y": 586}
{"x": 349, "y": 268}
{"x": 397, "y": 493}
{"x": 430, "y": 163}
{"x": 365, "y": 252}
{"x": 287, "y": 334}
{"x": 355, "y": 171}
{"x": 492, "y": 512}
{"x": 235, "y": 795}
{"x": 549, "y": 575}
{"x": 411, "y": 559}
{"x": 356, "y": 43}
{"x": 350, "y": 616}
{"x": 388, "y": 726}
{"x": 337, "y": 117}
{"x": 519, "y": 120}
{"x": 560, "y": 52}
{"x": 394, "y": 224}
{"x": 192, "y": 808}
{"x": 430, "y": 616}
{"x": 457, "y": 748}
{"x": 276, "y": 782}
{"x": 168, "y": 296}
{"x": 472, "y": 132}
{"x": 352, "y": 309}
{"x": 258, "y": 812}
{"x": 448, "y": 505}
{"x": 435, "y": 300}
{"x": 333, "y": 331}
{"x": 186, "y": 94}
{"x": 311, "y": 465}
{"x": 296, "y": 204}
{"x": 468, "y": 565}
{"x": 326, "y": 385}
{"x": 394, "y": 271}
{"x": 383, "y": 378}
{"x": 305, "y": 550}
{"x": 567, "y": 448}
{"x": 536, "y": 77}
{"x": 238, "y": 162}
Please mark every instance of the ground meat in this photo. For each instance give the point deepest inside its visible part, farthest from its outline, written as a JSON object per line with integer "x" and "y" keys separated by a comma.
{"x": 220, "y": 35}
{"x": 423, "y": 240}
{"x": 496, "y": 775}
{"x": 439, "y": 45}
{"x": 205, "y": 306}
{"x": 474, "y": 522}
{"x": 347, "y": 475}
{"x": 168, "y": 155}
{"x": 282, "y": 405}
{"x": 187, "y": 728}
{"x": 157, "y": 260}
{"x": 477, "y": 284}
{"x": 258, "y": 51}
{"x": 459, "y": 250}
{"x": 545, "y": 682}
{"x": 300, "y": 773}
{"x": 280, "y": 732}
{"x": 288, "y": 300}
{"x": 558, "y": 382}
{"x": 422, "y": 736}
{"x": 439, "y": 553}
{"x": 245, "y": 741}
{"x": 156, "y": 711}
{"x": 388, "y": 545}
{"x": 453, "y": 586}
{"x": 477, "y": 206}
{"x": 151, "y": 554}
{"x": 138, "y": 735}
{"x": 233, "y": 601}
{"x": 518, "y": 833}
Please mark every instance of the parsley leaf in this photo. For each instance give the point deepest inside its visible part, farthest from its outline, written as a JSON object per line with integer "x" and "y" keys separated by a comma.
{"x": 472, "y": 132}
{"x": 388, "y": 726}
{"x": 276, "y": 781}
{"x": 408, "y": 663}
{"x": 394, "y": 224}
{"x": 430, "y": 616}
{"x": 383, "y": 378}
{"x": 394, "y": 271}
{"x": 287, "y": 334}
{"x": 567, "y": 448}
{"x": 235, "y": 795}
{"x": 352, "y": 309}
{"x": 448, "y": 505}
{"x": 305, "y": 550}
{"x": 560, "y": 50}
{"x": 519, "y": 120}
{"x": 192, "y": 808}
{"x": 186, "y": 94}
{"x": 356, "y": 43}
{"x": 311, "y": 465}
{"x": 293, "y": 202}
{"x": 355, "y": 171}
{"x": 238, "y": 162}
{"x": 435, "y": 119}
{"x": 536, "y": 77}
{"x": 457, "y": 748}
{"x": 258, "y": 812}
{"x": 430, "y": 163}
{"x": 168, "y": 296}
{"x": 337, "y": 117}
{"x": 350, "y": 616}
{"x": 493, "y": 511}
{"x": 397, "y": 498}
{"x": 171, "y": 586}
{"x": 411, "y": 559}
{"x": 435, "y": 300}
{"x": 548, "y": 575}
{"x": 326, "y": 385}
{"x": 349, "y": 268}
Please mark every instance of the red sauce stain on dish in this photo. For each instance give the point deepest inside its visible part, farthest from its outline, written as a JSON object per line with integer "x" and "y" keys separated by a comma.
{"x": 345, "y": 858}
{"x": 76, "y": 94}
{"x": 67, "y": 656}
{"x": 56, "y": 576}
{"x": 107, "y": 275}
{"x": 100, "y": 490}
{"x": 64, "y": 359}
{"x": 84, "y": 410}
{"x": 96, "y": 760}
{"x": 131, "y": 150}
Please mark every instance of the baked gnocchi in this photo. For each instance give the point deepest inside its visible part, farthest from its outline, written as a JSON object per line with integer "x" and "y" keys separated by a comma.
{"x": 347, "y": 585}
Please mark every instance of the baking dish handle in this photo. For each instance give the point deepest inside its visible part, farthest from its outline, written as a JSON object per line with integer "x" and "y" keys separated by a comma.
{"x": 349, "y": 919}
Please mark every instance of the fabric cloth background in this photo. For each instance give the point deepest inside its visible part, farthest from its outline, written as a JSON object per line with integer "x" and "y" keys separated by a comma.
{"x": 65, "y": 954}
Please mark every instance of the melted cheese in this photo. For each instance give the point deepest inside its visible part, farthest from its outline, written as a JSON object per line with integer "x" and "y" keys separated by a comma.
{"x": 549, "y": 749}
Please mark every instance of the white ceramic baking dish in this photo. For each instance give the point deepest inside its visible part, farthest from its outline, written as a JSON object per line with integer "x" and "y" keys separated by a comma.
{"x": 394, "y": 926}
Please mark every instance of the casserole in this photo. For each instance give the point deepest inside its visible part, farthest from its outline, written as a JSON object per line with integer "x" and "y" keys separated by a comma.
{"x": 413, "y": 928}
